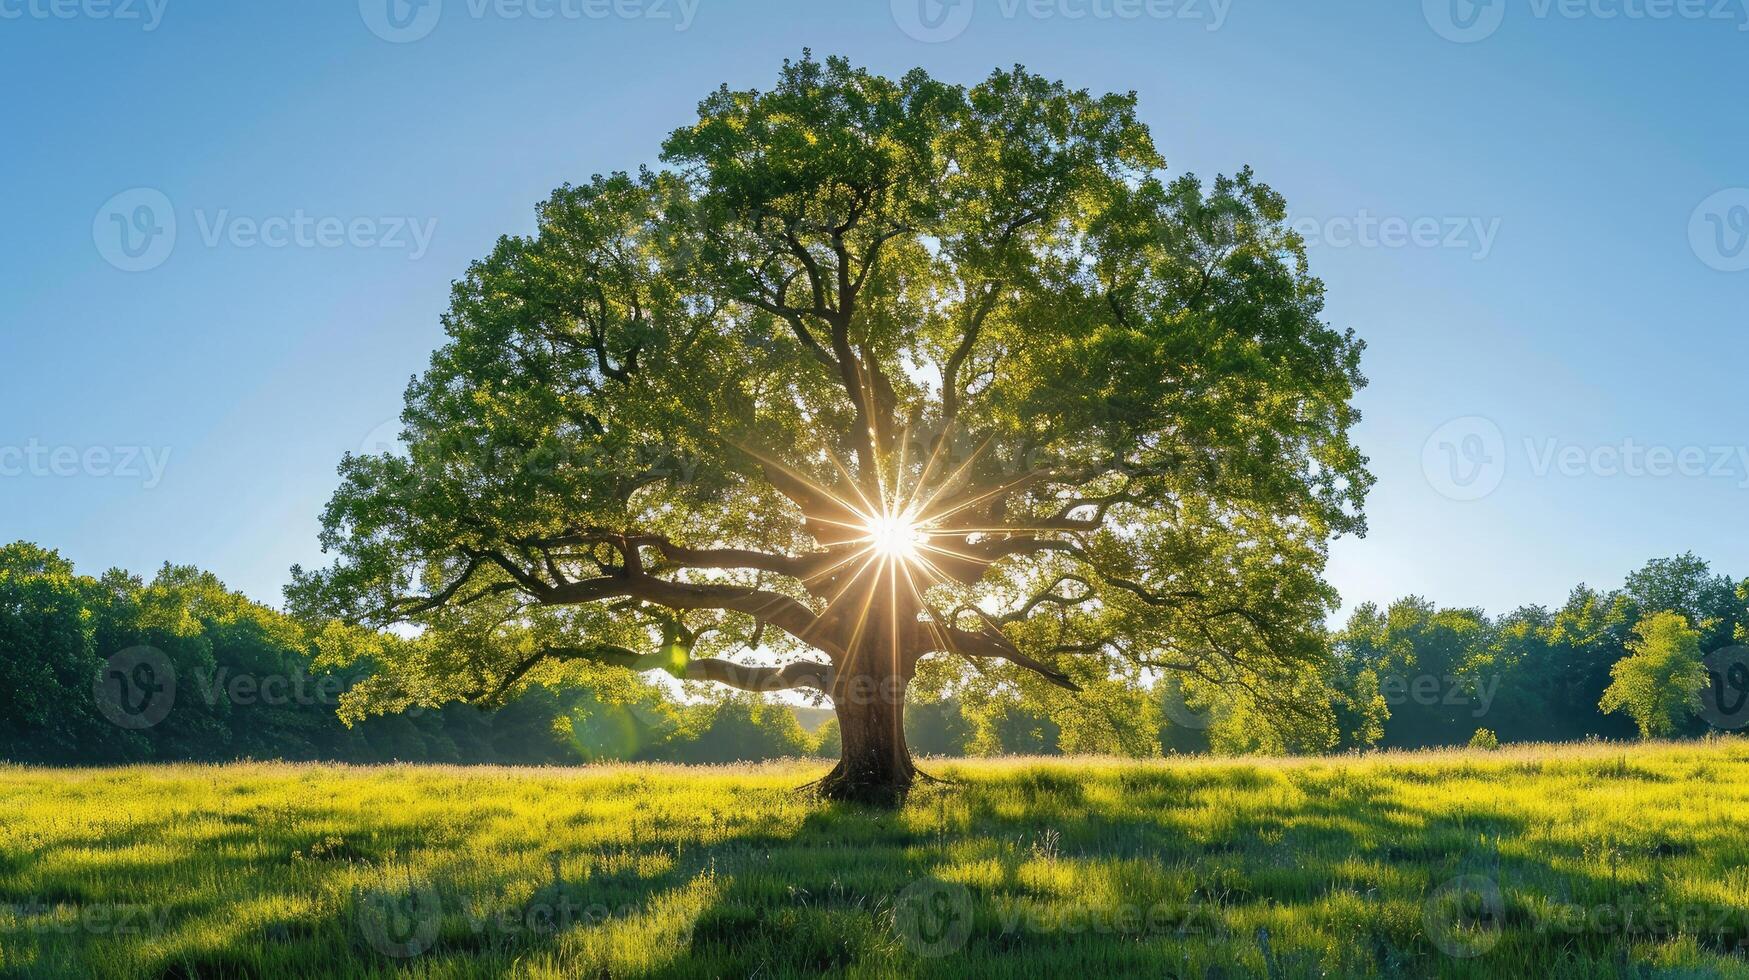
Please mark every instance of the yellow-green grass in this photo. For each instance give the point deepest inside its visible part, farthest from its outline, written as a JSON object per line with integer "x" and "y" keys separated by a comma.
{"x": 1609, "y": 861}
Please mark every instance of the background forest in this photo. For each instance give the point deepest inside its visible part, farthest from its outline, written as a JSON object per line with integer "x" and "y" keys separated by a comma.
{"x": 250, "y": 684}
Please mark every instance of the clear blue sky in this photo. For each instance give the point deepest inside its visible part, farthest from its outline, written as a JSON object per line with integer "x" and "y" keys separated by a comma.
{"x": 1571, "y": 308}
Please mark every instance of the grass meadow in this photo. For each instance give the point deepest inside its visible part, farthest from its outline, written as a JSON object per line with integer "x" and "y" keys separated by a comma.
{"x": 1548, "y": 862}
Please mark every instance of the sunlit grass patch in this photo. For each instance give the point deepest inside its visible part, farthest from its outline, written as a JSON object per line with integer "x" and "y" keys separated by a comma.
{"x": 1549, "y": 862}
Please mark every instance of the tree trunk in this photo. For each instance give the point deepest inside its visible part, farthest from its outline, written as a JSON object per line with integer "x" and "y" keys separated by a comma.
{"x": 874, "y": 764}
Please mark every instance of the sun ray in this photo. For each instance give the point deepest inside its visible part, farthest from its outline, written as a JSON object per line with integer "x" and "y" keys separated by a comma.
{"x": 934, "y": 619}
{"x": 791, "y": 472}
{"x": 952, "y": 481}
{"x": 868, "y": 507}
{"x": 995, "y": 528}
{"x": 974, "y": 501}
{"x": 860, "y": 525}
{"x": 861, "y": 514}
{"x": 854, "y": 648}
{"x": 891, "y": 500}
{"x": 835, "y": 566}
{"x": 927, "y": 566}
{"x": 928, "y": 467}
{"x": 963, "y": 556}
{"x": 869, "y": 557}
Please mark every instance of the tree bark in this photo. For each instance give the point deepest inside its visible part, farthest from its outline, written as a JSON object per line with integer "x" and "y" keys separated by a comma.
{"x": 874, "y": 764}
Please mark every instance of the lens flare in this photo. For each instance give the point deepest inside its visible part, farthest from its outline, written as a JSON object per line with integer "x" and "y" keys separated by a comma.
{"x": 895, "y": 536}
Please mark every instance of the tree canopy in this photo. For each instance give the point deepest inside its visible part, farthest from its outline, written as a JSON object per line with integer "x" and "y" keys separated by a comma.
{"x": 1660, "y": 683}
{"x": 868, "y": 370}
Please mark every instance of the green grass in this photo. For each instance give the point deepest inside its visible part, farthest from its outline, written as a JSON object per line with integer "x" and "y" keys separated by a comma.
{"x": 1023, "y": 867}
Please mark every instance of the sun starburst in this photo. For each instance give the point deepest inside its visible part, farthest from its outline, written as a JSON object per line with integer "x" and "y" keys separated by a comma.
{"x": 896, "y": 537}
{"x": 899, "y": 535}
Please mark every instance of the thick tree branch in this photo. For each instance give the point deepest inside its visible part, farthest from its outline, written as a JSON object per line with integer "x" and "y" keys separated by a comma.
{"x": 791, "y": 676}
{"x": 779, "y": 610}
{"x": 990, "y": 644}
{"x": 801, "y": 674}
{"x": 802, "y": 567}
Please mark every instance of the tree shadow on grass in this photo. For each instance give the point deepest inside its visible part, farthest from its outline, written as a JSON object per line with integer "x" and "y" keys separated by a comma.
{"x": 1168, "y": 871}
{"x": 1147, "y": 871}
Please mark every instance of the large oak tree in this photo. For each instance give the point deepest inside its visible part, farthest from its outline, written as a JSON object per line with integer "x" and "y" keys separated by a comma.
{"x": 871, "y": 370}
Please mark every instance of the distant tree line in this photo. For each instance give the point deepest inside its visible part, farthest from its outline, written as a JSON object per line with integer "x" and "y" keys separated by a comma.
{"x": 1603, "y": 664}
{"x": 117, "y": 669}
{"x": 234, "y": 679}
